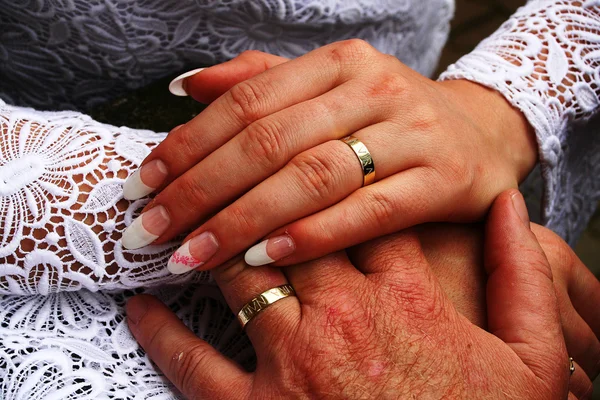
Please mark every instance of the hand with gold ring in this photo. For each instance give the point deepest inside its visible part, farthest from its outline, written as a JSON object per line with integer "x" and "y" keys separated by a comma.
{"x": 378, "y": 327}
{"x": 266, "y": 160}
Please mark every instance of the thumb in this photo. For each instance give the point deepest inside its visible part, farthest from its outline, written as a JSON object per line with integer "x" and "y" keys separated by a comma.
{"x": 206, "y": 85}
{"x": 522, "y": 305}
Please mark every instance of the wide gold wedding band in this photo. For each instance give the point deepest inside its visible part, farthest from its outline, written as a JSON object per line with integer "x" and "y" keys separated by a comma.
{"x": 365, "y": 158}
{"x": 262, "y": 301}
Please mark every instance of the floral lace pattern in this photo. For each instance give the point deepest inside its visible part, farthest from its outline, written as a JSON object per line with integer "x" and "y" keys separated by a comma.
{"x": 76, "y": 345}
{"x": 62, "y": 216}
{"x": 546, "y": 61}
{"x": 75, "y": 54}
{"x": 61, "y": 205}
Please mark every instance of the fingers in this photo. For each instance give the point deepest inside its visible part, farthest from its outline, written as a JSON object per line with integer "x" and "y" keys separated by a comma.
{"x": 194, "y": 366}
{"x": 277, "y": 88}
{"x": 522, "y": 305}
{"x": 387, "y": 206}
{"x": 582, "y": 344}
{"x": 582, "y": 286}
{"x": 578, "y": 293}
{"x": 207, "y": 86}
{"x": 580, "y": 384}
{"x": 322, "y": 279}
{"x": 240, "y": 284}
{"x": 312, "y": 181}
{"x": 260, "y": 151}
{"x": 584, "y": 292}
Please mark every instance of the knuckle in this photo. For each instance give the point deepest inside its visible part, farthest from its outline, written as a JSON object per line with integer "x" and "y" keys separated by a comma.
{"x": 246, "y": 100}
{"x": 250, "y": 54}
{"x": 187, "y": 144}
{"x": 185, "y": 364}
{"x": 315, "y": 174}
{"x": 156, "y": 336}
{"x": 429, "y": 120}
{"x": 421, "y": 306}
{"x": 188, "y": 194}
{"x": 389, "y": 85}
{"x": 238, "y": 218}
{"x": 264, "y": 142}
{"x": 351, "y": 51}
{"x": 456, "y": 174}
{"x": 381, "y": 208}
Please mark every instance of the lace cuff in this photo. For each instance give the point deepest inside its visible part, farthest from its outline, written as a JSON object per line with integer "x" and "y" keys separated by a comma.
{"x": 61, "y": 206}
{"x": 546, "y": 61}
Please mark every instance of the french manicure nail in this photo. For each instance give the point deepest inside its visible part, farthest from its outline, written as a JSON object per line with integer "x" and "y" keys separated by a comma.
{"x": 176, "y": 85}
{"x": 194, "y": 253}
{"x": 270, "y": 250}
{"x": 145, "y": 180}
{"x": 146, "y": 228}
{"x": 520, "y": 207}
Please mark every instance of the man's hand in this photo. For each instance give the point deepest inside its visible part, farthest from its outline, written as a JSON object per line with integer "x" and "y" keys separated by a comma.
{"x": 382, "y": 327}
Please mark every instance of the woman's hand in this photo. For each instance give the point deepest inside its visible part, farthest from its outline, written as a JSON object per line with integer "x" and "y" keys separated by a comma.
{"x": 381, "y": 328}
{"x": 264, "y": 159}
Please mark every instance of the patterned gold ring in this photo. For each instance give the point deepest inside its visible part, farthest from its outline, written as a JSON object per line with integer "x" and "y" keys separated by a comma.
{"x": 365, "y": 158}
{"x": 262, "y": 301}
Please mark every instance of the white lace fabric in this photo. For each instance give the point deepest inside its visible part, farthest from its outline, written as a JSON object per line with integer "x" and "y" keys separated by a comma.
{"x": 61, "y": 205}
{"x": 76, "y": 54}
{"x": 62, "y": 215}
{"x": 546, "y": 61}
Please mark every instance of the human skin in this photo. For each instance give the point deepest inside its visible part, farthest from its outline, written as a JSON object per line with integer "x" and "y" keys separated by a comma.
{"x": 263, "y": 159}
{"x": 381, "y": 326}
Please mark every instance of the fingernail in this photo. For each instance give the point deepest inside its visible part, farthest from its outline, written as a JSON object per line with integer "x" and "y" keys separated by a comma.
{"x": 270, "y": 250}
{"x": 146, "y": 228}
{"x": 520, "y": 207}
{"x": 195, "y": 252}
{"x": 136, "y": 308}
{"x": 176, "y": 85}
{"x": 145, "y": 180}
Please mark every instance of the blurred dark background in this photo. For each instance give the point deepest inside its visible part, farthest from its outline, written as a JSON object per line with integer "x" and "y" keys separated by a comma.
{"x": 154, "y": 108}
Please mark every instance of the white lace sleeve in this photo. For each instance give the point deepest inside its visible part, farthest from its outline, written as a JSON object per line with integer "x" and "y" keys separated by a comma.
{"x": 546, "y": 61}
{"x": 61, "y": 206}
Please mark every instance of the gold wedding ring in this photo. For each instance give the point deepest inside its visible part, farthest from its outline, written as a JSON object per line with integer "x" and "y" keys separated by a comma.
{"x": 262, "y": 301}
{"x": 365, "y": 158}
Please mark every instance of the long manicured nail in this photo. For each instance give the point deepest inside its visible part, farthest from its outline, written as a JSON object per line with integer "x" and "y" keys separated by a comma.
{"x": 195, "y": 252}
{"x": 146, "y": 228}
{"x": 520, "y": 207}
{"x": 145, "y": 180}
{"x": 176, "y": 85}
{"x": 270, "y": 250}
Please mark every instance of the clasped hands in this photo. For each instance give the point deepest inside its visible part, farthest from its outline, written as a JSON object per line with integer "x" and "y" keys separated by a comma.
{"x": 260, "y": 161}
{"x": 376, "y": 323}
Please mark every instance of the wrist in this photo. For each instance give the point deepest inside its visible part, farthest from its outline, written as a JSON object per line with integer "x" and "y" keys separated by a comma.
{"x": 512, "y": 134}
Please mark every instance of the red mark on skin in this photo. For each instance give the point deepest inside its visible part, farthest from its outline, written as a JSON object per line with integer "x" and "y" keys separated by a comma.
{"x": 376, "y": 368}
{"x": 188, "y": 261}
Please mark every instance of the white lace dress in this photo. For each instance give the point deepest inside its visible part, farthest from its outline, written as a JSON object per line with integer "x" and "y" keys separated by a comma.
{"x": 64, "y": 277}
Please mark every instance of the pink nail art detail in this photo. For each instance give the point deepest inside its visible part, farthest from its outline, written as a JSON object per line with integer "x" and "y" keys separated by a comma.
{"x": 186, "y": 260}
{"x": 204, "y": 246}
